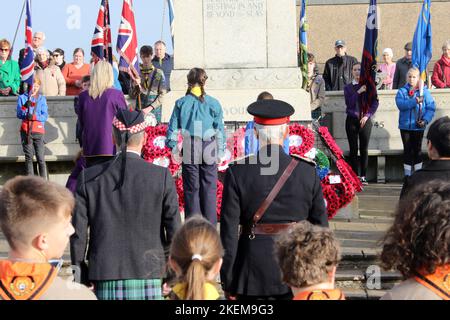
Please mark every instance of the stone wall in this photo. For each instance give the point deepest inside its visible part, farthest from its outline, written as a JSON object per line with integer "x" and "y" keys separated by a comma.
{"x": 341, "y": 19}
{"x": 62, "y": 147}
{"x": 385, "y": 133}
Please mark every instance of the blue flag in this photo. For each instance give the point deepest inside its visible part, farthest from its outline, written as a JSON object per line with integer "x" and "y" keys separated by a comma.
{"x": 369, "y": 60}
{"x": 422, "y": 47}
{"x": 303, "y": 43}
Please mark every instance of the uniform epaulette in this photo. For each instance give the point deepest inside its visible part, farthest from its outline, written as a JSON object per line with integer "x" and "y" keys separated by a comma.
{"x": 308, "y": 160}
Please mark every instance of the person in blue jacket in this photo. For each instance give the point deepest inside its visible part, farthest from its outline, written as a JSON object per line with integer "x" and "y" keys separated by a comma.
{"x": 33, "y": 112}
{"x": 416, "y": 112}
{"x": 200, "y": 119}
{"x": 251, "y": 141}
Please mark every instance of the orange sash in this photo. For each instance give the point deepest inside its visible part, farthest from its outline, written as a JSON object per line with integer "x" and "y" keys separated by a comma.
{"x": 438, "y": 282}
{"x": 334, "y": 294}
{"x": 25, "y": 281}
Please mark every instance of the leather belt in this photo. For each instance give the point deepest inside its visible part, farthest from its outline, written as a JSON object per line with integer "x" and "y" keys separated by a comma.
{"x": 266, "y": 228}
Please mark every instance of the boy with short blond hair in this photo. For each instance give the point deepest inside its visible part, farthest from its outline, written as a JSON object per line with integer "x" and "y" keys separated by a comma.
{"x": 35, "y": 217}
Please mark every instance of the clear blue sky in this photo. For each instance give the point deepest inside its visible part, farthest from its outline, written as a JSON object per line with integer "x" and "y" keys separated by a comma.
{"x": 69, "y": 24}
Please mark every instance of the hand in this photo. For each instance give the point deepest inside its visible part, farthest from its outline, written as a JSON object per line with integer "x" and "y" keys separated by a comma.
{"x": 229, "y": 296}
{"x": 78, "y": 83}
{"x": 362, "y": 89}
{"x": 148, "y": 110}
{"x": 419, "y": 99}
{"x": 166, "y": 289}
{"x": 28, "y": 104}
{"x": 30, "y": 116}
{"x": 5, "y": 91}
{"x": 363, "y": 121}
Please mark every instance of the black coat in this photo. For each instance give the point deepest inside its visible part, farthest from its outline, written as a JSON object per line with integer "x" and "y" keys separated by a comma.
{"x": 435, "y": 170}
{"x": 129, "y": 227}
{"x": 249, "y": 266}
{"x": 338, "y": 72}
{"x": 401, "y": 69}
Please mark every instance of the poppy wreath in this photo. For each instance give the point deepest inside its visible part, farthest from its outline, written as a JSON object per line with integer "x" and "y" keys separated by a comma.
{"x": 180, "y": 192}
{"x": 349, "y": 175}
{"x": 155, "y": 150}
{"x": 331, "y": 144}
{"x": 301, "y": 139}
{"x": 230, "y": 154}
{"x": 239, "y": 143}
{"x": 331, "y": 199}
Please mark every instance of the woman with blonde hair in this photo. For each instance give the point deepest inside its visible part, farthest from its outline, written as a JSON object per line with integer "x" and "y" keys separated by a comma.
{"x": 196, "y": 257}
{"x": 416, "y": 112}
{"x": 96, "y": 110}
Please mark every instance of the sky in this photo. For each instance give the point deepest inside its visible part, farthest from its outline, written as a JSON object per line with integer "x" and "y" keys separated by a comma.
{"x": 69, "y": 24}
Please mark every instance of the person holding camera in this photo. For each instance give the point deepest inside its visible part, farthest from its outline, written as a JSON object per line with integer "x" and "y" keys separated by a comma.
{"x": 416, "y": 112}
{"x": 33, "y": 111}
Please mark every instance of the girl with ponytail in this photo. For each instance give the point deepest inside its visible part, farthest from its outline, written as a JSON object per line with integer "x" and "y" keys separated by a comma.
{"x": 199, "y": 117}
{"x": 196, "y": 257}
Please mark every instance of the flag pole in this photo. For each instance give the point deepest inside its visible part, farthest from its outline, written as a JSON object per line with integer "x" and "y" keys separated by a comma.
{"x": 17, "y": 29}
{"x": 163, "y": 19}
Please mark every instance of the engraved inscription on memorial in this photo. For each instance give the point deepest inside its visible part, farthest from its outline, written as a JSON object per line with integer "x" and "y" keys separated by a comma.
{"x": 235, "y": 8}
{"x": 235, "y": 33}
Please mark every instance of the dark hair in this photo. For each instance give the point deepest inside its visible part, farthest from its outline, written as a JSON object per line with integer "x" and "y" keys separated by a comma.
{"x": 307, "y": 254}
{"x": 264, "y": 96}
{"x": 85, "y": 79}
{"x": 419, "y": 239}
{"x": 196, "y": 248}
{"x": 311, "y": 57}
{"x": 146, "y": 51}
{"x": 78, "y": 50}
{"x": 197, "y": 76}
{"x": 439, "y": 136}
{"x": 58, "y": 50}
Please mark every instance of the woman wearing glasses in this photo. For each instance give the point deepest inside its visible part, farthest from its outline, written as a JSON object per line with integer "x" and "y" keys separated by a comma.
{"x": 58, "y": 58}
{"x": 9, "y": 71}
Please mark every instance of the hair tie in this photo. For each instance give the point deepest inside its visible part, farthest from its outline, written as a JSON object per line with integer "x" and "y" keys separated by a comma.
{"x": 196, "y": 257}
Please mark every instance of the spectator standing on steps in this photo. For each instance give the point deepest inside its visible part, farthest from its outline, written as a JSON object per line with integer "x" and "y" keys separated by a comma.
{"x": 338, "y": 70}
{"x": 401, "y": 68}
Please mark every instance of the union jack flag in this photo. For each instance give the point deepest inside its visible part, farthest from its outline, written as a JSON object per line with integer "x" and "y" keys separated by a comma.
{"x": 127, "y": 44}
{"x": 27, "y": 64}
{"x": 101, "y": 42}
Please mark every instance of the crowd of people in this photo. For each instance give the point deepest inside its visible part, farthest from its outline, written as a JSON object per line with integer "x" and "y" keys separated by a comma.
{"x": 127, "y": 237}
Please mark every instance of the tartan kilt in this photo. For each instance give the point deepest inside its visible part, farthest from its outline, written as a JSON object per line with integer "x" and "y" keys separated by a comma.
{"x": 130, "y": 289}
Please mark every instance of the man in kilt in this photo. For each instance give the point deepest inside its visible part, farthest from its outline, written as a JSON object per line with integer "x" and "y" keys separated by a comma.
{"x": 130, "y": 208}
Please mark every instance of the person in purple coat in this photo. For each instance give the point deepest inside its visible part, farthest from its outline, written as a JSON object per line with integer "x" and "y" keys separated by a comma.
{"x": 358, "y": 125}
{"x": 96, "y": 110}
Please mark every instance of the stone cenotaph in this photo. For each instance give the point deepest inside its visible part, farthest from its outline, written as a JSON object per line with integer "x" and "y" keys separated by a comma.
{"x": 246, "y": 47}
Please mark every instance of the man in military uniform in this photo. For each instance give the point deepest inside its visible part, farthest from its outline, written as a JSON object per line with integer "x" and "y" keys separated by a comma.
{"x": 256, "y": 197}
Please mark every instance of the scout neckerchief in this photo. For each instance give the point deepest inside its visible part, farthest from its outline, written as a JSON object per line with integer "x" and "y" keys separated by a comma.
{"x": 438, "y": 282}
{"x": 327, "y": 294}
{"x": 24, "y": 280}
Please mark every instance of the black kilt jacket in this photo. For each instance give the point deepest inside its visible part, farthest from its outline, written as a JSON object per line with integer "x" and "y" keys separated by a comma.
{"x": 129, "y": 227}
{"x": 249, "y": 266}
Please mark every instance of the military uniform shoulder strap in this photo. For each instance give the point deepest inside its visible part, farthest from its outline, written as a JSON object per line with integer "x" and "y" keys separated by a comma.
{"x": 307, "y": 160}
